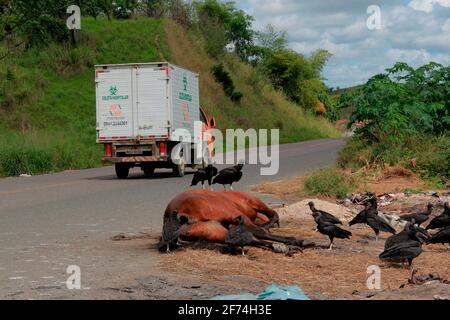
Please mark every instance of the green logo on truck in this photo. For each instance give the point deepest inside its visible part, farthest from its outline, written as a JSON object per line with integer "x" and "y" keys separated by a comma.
{"x": 113, "y": 90}
{"x": 113, "y": 95}
{"x": 185, "y": 96}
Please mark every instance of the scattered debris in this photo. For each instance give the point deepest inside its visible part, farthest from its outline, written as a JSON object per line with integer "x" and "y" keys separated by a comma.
{"x": 24, "y": 175}
{"x": 295, "y": 213}
{"x": 420, "y": 280}
{"x": 131, "y": 236}
{"x": 273, "y": 292}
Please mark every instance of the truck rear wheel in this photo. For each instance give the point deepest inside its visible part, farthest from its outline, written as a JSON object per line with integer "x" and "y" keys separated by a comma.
{"x": 179, "y": 170}
{"x": 122, "y": 170}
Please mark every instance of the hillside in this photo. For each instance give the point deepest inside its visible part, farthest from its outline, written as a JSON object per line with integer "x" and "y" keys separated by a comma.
{"x": 47, "y": 103}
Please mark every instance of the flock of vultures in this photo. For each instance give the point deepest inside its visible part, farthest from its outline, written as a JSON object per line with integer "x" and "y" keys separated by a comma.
{"x": 237, "y": 220}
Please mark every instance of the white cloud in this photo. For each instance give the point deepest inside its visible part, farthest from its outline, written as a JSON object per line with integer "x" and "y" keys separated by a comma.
{"x": 414, "y": 31}
{"x": 446, "y": 26}
{"x": 427, "y": 5}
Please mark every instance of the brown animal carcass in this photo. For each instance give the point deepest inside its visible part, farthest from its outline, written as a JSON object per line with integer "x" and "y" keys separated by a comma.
{"x": 200, "y": 215}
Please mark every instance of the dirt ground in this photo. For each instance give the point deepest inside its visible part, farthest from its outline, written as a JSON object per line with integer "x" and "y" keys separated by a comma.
{"x": 339, "y": 274}
{"x": 322, "y": 274}
{"x": 392, "y": 180}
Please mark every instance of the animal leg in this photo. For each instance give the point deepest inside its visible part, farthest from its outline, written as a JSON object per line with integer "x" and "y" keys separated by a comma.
{"x": 331, "y": 244}
{"x": 274, "y": 219}
{"x": 262, "y": 234}
{"x": 210, "y": 184}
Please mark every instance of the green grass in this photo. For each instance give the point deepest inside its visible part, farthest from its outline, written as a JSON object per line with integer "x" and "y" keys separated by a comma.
{"x": 329, "y": 182}
{"x": 47, "y": 95}
{"x": 48, "y": 115}
{"x": 427, "y": 156}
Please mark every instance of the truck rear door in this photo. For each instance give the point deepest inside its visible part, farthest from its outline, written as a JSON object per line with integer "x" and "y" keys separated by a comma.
{"x": 152, "y": 101}
{"x": 114, "y": 103}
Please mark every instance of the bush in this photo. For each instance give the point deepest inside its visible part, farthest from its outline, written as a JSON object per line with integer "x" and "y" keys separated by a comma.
{"x": 329, "y": 182}
{"x": 66, "y": 59}
{"x": 425, "y": 155}
{"x": 24, "y": 160}
{"x": 124, "y": 9}
{"x": 224, "y": 78}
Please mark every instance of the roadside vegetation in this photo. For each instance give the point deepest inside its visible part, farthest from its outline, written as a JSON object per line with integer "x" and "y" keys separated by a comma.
{"x": 47, "y": 102}
{"x": 403, "y": 119}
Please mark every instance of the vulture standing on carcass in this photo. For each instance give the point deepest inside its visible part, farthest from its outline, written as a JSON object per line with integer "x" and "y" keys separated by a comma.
{"x": 205, "y": 174}
{"x": 442, "y": 236}
{"x": 442, "y": 221}
{"x": 420, "y": 217}
{"x": 325, "y": 227}
{"x": 325, "y": 216}
{"x": 370, "y": 217}
{"x": 229, "y": 176}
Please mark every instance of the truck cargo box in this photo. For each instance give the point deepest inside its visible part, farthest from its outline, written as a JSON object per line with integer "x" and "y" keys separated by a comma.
{"x": 146, "y": 101}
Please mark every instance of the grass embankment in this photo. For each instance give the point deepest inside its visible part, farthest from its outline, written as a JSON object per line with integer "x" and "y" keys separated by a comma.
{"x": 47, "y": 94}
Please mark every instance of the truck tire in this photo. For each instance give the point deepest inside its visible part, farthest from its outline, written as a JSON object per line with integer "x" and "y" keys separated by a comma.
{"x": 179, "y": 170}
{"x": 122, "y": 171}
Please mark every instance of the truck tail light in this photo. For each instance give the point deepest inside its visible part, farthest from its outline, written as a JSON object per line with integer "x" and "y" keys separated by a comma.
{"x": 108, "y": 150}
{"x": 162, "y": 149}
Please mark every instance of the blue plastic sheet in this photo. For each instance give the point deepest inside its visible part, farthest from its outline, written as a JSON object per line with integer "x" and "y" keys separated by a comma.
{"x": 273, "y": 292}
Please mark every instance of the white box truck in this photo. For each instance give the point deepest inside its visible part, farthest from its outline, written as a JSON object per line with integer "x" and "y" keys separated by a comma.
{"x": 140, "y": 108}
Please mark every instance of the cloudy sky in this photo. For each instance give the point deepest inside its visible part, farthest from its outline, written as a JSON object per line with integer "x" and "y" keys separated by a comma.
{"x": 413, "y": 31}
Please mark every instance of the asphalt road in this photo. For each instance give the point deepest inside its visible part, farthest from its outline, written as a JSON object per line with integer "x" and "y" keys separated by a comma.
{"x": 51, "y": 221}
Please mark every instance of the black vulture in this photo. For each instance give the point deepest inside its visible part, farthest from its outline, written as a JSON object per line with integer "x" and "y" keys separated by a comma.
{"x": 369, "y": 205}
{"x": 442, "y": 221}
{"x": 330, "y": 229}
{"x": 404, "y": 251}
{"x": 241, "y": 236}
{"x": 411, "y": 232}
{"x": 420, "y": 217}
{"x": 229, "y": 176}
{"x": 205, "y": 174}
{"x": 171, "y": 231}
{"x": 370, "y": 217}
{"x": 325, "y": 216}
{"x": 442, "y": 236}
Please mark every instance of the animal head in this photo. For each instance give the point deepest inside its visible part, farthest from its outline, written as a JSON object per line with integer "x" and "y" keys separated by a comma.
{"x": 371, "y": 201}
{"x": 421, "y": 237}
{"x": 311, "y": 205}
{"x": 416, "y": 233}
{"x": 240, "y": 166}
{"x": 171, "y": 231}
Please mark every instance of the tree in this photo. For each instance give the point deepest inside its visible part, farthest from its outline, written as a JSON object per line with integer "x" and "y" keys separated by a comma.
{"x": 234, "y": 24}
{"x": 271, "y": 40}
{"x": 297, "y": 76}
{"x": 404, "y": 101}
